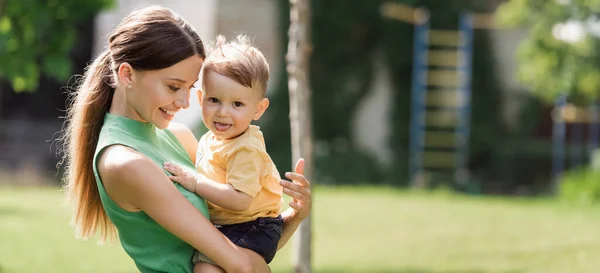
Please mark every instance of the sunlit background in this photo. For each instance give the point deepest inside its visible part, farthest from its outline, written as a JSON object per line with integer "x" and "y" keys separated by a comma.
{"x": 455, "y": 136}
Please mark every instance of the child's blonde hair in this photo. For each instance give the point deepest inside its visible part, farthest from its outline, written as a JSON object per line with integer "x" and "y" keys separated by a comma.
{"x": 239, "y": 61}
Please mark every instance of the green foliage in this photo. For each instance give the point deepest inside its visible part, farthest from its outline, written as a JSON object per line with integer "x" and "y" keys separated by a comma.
{"x": 397, "y": 45}
{"x": 519, "y": 165}
{"x": 582, "y": 185}
{"x": 548, "y": 65}
{"x": 36, "y": 37}
{"x": 348, "y": 166}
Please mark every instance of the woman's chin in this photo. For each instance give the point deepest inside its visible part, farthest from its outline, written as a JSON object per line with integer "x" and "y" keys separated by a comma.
{"x": 162, "y": 124}
{"x": 162, "y": 121}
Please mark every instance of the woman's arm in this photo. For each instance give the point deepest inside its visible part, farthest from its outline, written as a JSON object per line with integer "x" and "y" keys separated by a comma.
{"x": 136, "y": 183}
{"x": 299, "y": 189}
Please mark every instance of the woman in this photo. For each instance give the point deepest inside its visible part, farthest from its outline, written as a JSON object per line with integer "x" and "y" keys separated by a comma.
{"x": 119, "y": 134}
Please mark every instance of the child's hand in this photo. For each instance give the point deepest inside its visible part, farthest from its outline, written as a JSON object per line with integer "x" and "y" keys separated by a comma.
{"x": 187, "y": 179}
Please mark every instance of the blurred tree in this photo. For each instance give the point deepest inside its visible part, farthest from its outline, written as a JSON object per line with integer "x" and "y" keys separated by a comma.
{"x": 561, "y": 54}
{"x": 298, "y": 61}
{"x": 345, "y": 37}
{"x": 36, "y": 37}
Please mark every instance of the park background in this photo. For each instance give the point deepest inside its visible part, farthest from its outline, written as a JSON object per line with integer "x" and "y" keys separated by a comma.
{"x": 519, "y": 193}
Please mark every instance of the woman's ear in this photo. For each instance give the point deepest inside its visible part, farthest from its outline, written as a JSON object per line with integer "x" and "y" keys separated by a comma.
{"x": 126, "y": 75}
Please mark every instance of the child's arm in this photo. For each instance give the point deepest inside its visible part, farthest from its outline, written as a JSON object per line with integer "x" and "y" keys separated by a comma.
{"x": 243, "y": 174}
{"x": 222, "y": 195}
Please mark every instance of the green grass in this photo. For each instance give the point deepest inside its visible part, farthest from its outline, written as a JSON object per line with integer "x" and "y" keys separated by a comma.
{"x": 376, "y": 230}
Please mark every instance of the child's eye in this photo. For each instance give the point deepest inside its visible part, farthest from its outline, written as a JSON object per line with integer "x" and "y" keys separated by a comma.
{"x": 174, "y": 88}
{"x": 238, "y": 104}
{"x": 213, "y": 100}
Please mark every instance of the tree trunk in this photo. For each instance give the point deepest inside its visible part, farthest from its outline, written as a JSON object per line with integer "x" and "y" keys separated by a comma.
{"x": 298, "y": 56}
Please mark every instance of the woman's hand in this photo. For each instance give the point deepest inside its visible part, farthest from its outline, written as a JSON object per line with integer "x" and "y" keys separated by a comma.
{"x": 299, "y": 190}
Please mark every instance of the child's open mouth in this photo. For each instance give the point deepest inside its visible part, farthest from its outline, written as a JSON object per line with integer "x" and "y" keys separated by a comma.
{"x": 222, "y": 126}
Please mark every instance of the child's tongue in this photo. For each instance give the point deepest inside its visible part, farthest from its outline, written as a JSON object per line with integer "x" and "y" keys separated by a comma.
{"x": 222, "y": 126}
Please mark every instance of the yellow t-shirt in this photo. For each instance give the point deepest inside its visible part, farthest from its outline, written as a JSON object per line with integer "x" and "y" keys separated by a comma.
{"x": 244, "y": 163}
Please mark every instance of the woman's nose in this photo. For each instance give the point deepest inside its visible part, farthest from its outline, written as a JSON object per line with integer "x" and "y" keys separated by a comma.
{"x": 183, "y": 101}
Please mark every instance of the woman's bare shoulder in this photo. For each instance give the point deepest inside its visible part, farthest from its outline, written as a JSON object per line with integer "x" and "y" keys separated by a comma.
{"x": 125, "y": 172}
{"x": 117, "y": 159}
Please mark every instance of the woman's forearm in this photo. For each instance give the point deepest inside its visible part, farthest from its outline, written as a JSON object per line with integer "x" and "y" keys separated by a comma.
{"x": 290, "y": 225}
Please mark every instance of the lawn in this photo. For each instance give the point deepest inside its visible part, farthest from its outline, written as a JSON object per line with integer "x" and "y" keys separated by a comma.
{"x": 377, "y": 230}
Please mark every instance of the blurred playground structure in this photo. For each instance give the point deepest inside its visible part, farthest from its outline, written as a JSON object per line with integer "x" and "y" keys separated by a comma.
{"x": 441, "y": 92}
{"x": 441, "y": 101}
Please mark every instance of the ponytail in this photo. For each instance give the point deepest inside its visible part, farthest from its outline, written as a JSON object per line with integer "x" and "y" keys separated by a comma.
{"x": 85, "y": 117}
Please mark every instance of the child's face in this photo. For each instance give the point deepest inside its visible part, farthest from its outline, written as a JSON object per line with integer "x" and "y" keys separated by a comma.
{"x": 228, "y": 107}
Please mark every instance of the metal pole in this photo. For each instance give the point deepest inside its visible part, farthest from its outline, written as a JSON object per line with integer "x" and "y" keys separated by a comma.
{"x": 466, "y": 29}
{"x": 419, "y": 79}
{"x": 558, "y": 139}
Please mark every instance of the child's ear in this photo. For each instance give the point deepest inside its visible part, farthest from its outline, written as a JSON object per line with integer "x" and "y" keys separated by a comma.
{"x": 199, "y": 94}
{"x": 262, "y": 107}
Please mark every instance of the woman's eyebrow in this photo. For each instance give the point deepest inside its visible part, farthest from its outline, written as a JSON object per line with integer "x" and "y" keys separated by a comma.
{"x": 181, "y": 80}
{"x": 177, "y": 79}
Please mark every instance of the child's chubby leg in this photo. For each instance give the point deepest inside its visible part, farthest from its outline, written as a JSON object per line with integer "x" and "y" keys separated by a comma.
{"x": 258, "y": 264}
{"x": 207, "y": 268}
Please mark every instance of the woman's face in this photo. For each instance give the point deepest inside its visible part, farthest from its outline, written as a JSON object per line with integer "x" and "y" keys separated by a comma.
{"x": 157, "y": 95}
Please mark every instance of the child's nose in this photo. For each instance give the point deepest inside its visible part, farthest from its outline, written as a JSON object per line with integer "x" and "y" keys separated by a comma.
{"x": 222, "y": 111}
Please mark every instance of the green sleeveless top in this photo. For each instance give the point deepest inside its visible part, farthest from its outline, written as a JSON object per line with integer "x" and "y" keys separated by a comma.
{"x": 152, "y": 248}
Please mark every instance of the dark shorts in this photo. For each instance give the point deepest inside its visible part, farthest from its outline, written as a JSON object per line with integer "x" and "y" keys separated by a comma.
{"x": 261, "y": 236}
